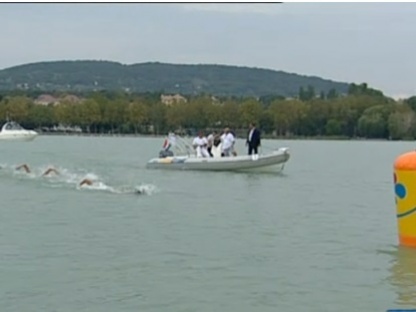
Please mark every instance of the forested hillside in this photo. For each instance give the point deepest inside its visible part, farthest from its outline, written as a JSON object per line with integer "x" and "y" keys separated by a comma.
{"x": 218, "y": 80}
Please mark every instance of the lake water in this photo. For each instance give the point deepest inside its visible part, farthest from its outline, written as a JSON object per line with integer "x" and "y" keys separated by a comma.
{"x": 322, "y": 236}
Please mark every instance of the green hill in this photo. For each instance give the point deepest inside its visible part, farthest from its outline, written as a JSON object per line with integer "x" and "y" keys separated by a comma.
{"x": 220, "y": 80}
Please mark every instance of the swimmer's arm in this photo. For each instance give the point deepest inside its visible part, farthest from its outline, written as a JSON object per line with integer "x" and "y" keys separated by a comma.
{"x": 24, "y": 166}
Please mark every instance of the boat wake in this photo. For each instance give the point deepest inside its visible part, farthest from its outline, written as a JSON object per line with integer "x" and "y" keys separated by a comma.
{"x": 64, "y": 178}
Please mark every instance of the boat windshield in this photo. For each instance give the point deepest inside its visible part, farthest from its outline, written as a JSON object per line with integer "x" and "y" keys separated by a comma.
{"x": 12, "y": 126}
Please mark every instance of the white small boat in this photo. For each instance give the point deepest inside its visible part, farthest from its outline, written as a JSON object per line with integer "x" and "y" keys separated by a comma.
{"x": 183, "y": 157}
{"x": 12, "y": 131}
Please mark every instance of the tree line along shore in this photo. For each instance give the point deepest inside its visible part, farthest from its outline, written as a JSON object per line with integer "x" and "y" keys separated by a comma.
{"x": 362, "y": 113}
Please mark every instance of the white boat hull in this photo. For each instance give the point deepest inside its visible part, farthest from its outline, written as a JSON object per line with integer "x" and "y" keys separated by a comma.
{"x": 21, "y": 136}
{"x": 271, "y": 162}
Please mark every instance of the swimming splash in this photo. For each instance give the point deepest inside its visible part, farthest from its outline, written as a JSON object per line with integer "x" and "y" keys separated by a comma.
{"x": 64, "y": 177}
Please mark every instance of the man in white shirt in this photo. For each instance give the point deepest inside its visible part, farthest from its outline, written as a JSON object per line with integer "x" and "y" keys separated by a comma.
{"x": 200, "y": 144}
{"x": 227, "y": 140}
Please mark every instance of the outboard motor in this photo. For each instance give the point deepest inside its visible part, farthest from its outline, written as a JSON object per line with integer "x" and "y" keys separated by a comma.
{"x": 164, "y": 154}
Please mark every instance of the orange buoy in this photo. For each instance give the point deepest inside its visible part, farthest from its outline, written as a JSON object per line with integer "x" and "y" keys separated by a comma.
{"x": 405, "y": 193}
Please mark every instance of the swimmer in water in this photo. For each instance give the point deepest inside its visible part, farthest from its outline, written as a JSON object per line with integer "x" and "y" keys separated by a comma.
{"x": 27, "y": 169}
{"x": 85, "y": 181}
{"x": 90, "y": 182}
{"x": 50, "y": 170}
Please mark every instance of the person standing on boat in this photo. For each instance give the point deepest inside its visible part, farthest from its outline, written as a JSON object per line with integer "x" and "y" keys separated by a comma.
{"x": 253, "y": 139}
{"x": 228, "y": 141}
{"x": 200, "y": 144}
{"x": 211, "y": 139}
{"x": 233, "y": 151}
{"x": 170, "y": 141}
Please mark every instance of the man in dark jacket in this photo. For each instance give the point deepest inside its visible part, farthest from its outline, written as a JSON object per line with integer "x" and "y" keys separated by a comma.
{"x": 253, "y": 139}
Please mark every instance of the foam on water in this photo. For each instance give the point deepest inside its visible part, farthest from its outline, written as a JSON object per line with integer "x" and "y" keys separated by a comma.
{"x": 147, "y": 189}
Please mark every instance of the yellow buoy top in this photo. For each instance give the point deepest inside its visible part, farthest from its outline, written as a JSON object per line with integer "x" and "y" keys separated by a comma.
{"x": 406, "y": 161}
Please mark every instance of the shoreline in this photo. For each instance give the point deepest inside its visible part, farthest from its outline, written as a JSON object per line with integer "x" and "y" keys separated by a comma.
{"x": 265, "y": 137}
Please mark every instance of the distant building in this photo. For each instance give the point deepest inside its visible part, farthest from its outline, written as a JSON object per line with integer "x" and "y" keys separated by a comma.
{"x": 70, "y": 98}
{"x": 46, "y": 99}
{"x": 170, "y": 99}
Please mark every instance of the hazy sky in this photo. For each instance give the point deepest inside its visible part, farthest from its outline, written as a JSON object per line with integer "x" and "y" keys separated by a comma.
{"x": 348, "y": 42}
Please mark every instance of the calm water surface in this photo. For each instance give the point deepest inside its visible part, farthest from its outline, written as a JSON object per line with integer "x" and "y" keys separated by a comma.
{"x": 320, "y": 237}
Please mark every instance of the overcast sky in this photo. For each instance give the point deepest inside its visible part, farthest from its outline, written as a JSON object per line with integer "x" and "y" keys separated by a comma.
{"x": 348, "y": 42}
